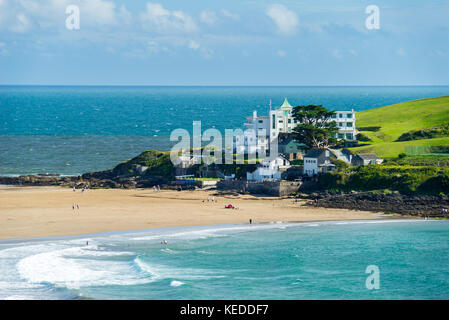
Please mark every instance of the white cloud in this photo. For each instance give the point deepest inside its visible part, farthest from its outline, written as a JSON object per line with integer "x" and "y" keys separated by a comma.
{"x": 337, "y": 54}
{"x": 194, "y": 45}
{"x": 3, "y": 50}
{"x": 230, "y": 15}
{"x": 125, "y": 15}
{"x": 286, "y": 20}
{"x": 437, "y": 53}
{"x": 22, "y": 24}
{"x": 161, "y": 20}
{"x": 208, "y": 17}
{"x": 401, "y": 52}
{"x": 25, "y": 15}
{"x": 102, "y": 11}
{"x": 207, "y": 53}
{"x": 282, "y": 53}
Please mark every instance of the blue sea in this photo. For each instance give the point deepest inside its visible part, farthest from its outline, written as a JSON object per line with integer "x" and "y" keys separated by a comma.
{"x": 313, "y": 260}
{"x": 72, "y": 130}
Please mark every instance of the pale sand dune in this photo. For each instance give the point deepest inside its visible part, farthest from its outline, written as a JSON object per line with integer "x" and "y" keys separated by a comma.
{"x": 28, "y": 212}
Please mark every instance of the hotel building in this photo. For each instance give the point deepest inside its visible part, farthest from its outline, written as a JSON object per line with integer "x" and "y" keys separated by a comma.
{"x": 260, "y": 130}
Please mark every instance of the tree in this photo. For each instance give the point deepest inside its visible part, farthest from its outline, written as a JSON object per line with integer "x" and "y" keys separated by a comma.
{"x": 315, "y": 127}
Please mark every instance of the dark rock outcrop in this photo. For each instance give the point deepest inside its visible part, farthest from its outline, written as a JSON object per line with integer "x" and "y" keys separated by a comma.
{"x": 103, "y": 179}
{"x": 414, "y": 205}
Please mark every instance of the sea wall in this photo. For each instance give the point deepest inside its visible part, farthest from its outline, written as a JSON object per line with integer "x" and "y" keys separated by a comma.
{"x": 272, "y": 188}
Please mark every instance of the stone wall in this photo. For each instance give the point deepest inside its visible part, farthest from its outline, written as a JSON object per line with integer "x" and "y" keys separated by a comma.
{"x": 272, "y": 188}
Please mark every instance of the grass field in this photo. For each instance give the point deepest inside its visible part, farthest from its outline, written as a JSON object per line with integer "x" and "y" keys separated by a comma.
{"x": 397, "y": 119}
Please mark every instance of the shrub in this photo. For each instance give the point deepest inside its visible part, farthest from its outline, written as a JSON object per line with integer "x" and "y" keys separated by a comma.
{"x": 363, "y": 138}
{"x": 374, "y": 129}
{"x": 426, "y": 133}
{"x": 436, "y": 185}
{"x": 407, "y": 179}
{"x": 339, "y": 164}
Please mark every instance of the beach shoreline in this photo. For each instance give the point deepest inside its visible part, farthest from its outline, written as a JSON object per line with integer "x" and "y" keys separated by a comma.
{"x": 38, "y": 212}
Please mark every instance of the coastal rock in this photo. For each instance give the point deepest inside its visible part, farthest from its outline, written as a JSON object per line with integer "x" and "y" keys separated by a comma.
{"x": 414, "y": 205}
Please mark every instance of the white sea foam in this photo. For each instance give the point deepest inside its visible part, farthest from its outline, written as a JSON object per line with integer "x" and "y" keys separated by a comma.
{"x": 211, "y": 232}
{"x": 67, "y": 268}
{"x": 175, "y": 283}
{"x": 169, "y": 251}
{"x": 158, "y": 272}
{"x": 20, "y": 297}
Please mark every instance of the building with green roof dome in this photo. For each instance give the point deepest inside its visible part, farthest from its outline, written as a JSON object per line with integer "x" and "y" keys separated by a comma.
{"x": 263, "y": 129}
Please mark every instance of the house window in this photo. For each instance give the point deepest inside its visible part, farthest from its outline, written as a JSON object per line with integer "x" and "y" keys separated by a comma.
{"x": 334, "y": 116}
{"x": 289, "y": 129}
{"x": 260, "y": 121}
{"x": 289, "y": 120}
{"x": 340, "y": 124}
{"x": 349, "y": 136}
{"x": 274, "y": 121}
{"x": 349, "y": 115}
{"x": 349, "y": 124}
{"x": 281, "y": 121}
{"x": 341, "y": 135}
{"x": 340, "y": 115}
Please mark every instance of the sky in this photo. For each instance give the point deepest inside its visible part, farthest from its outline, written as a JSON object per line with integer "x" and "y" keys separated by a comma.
{"x": 233, "y": 42}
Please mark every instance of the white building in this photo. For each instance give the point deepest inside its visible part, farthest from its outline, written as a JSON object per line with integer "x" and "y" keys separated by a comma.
{"x": 255, "y": 136}
{"x": 318, "y": 161}
{"x": 269, "y": 170}
{"x": 262, "y": 129}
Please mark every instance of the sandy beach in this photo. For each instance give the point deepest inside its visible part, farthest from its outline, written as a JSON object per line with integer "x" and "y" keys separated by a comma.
{"x": 29, "y": 212}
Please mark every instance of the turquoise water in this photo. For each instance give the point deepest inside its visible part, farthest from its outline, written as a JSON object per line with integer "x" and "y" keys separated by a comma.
{"x": 325, "y": 260}
{"x": 72, "y": 130}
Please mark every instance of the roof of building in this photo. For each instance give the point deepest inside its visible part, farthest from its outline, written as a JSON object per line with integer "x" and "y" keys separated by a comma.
{"x": 314, "y": 153}
{"x": 342, "y": 155}
{"x": 326, "y": 165}
{"x": 286, "y": 105}
{"x": 285, "y": 138}
{"x": 368, "y": 156}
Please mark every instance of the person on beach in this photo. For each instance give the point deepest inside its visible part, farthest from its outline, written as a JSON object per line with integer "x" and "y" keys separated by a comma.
{"x": 77, "y": 206}
{"x": 73, "y": 207}
{"x": 250, "y": 221}
{"x": 213, "y": 199}
{"x": 74, "y": 189}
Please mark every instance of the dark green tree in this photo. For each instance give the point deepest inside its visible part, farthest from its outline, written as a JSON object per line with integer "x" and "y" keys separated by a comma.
{"x": 315, "y": 126}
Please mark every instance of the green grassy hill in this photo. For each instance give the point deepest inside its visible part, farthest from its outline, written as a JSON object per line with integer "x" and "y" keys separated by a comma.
{"x": 397, "y": 119}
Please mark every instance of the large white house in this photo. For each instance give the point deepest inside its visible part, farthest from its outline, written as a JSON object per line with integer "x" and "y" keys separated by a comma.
{"x": 269, "y": 170}
{"x": 262, "y": 129}
{"x": 318, "y": 161}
